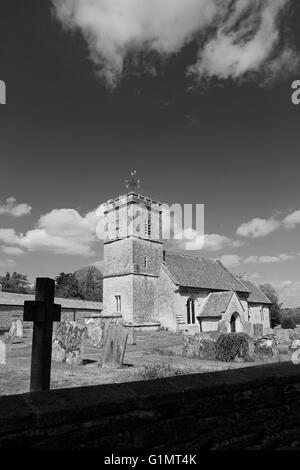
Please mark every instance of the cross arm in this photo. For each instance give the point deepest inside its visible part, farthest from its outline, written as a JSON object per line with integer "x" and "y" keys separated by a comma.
{"x": 38, "y": 311}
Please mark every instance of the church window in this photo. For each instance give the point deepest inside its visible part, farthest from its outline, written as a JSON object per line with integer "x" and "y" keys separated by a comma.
{"x": 148, "y": 227}
{"x": 118, "y": 303}
{"x": 146, "y": 262}
{"x": 262, "y": 313}
{"x": 191, "y": 319}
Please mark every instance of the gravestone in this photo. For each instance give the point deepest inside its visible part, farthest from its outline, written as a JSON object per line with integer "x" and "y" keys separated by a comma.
{"x": 258, "y": 330}
{"x": 95, "y": 328}
{"x": 114, "y": 346}
{"x": 222, "y": 326}
{"x": 248, "y": 328}
{"x": 283, "y": 336}
{"x": 68, "y": 343}
{"x": 2, "y": 352}
{"x": 19, "y": 328}
{"x": 131, "y": 334}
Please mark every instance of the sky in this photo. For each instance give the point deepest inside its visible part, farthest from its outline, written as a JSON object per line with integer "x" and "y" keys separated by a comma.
{"x": 193, "y": 94}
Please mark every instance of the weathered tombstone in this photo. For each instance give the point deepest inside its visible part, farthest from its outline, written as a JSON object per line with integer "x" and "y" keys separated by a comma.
{"x": 95, "y": 327}
{"x": 43, "y": 312}
{"x": 2, "y": 352}
{"x": 222, "y": 326}
{"x": 131, "y": 334}
{"x": 68, "y": 343}
{"x": 248, "y": 328}
{"x": 19, "y": 328}
{"x": 283, "y": 336}
{"x": 258, "y": 330}
{"x": 114, "y": 346}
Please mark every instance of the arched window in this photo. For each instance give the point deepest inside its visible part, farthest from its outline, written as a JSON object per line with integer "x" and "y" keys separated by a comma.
{"x": 190, "y": 306}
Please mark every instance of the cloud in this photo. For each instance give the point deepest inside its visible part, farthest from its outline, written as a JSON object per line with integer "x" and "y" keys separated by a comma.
{"x": 244, "y": 41}
{"x": 289, "y": 292}
{"x": 233, "y": 37}
{"x": 61, "y": 231}
{"x": 256, "y": 228}
{"x": 268, "y": 259}
{"x": 230, "y": 261}
{"x": 292, "y": 220}
{"x": 215, "y": 242}
{"x": 7, "y": 263}
{"x": 12, "y": 250}
{"x": 233, "y": 260}
{"x": 11, "y": 207}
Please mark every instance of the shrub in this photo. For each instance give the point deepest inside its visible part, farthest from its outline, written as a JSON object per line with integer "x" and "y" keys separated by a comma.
{"x": 200, "y": 345}
{"x": 155, "y": 370}
{"x": 232, "y": 345}
{"x": 288, "y": 324}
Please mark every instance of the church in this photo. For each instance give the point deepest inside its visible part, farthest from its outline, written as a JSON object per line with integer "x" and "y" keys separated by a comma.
{"x": 148, "y": 287}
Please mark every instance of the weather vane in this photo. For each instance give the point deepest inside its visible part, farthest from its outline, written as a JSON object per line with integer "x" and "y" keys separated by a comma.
{"x": 132, "y": 183}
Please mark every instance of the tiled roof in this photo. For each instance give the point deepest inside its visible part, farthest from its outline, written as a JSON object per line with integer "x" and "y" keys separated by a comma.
{"x": 215, "y": 304}
{"x": 8, "y": 298}
{"x": 190, "y": 271}
{"x": 256, "y": 295}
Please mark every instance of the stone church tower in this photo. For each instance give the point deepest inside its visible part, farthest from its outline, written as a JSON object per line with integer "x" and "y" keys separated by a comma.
{"x": 133, "y": 253}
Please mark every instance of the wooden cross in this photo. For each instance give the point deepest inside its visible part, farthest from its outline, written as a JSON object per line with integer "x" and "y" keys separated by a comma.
{"x": 42, "y": 312}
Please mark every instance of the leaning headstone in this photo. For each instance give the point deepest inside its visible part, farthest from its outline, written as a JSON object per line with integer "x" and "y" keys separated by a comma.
{"x": 68, "y": 343}
{"x": 2, "y": 352}
{"x": 131, "y": 334}
{"x": 258, "y": 330}
{"x": 114, "y": 346}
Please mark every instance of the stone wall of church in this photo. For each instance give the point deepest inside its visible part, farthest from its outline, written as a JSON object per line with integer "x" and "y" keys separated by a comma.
{"x": 260, "y": 314}
{"x": 145, "y": 299}
{"x": 122, "y": 286}
{"x": 167, "y": 301}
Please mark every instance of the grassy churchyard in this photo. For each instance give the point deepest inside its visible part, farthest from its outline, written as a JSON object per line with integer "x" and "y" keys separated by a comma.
{"x": 152, "y": 347}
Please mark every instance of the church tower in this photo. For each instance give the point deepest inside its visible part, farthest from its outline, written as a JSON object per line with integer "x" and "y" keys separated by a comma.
{"x": 133, "y": 252}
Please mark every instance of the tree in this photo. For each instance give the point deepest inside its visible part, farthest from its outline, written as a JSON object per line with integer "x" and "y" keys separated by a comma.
{"x": 275, "y": 309}
{"x": 15, "y": 282}
{"x": 67, "y": 286}
{"x": 90, "y": 281}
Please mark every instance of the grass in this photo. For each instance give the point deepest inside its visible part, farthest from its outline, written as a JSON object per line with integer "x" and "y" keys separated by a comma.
{"x": 156, "y": 370}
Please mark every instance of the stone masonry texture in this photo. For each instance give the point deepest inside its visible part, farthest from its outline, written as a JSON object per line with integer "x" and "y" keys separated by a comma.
{"x": 250, "y": 408}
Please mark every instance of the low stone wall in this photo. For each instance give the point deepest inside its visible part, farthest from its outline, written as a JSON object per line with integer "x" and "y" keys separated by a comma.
{"x": 250, "y": 408}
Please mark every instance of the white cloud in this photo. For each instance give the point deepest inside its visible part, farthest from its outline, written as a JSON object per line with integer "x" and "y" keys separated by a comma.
{"x": 268, "y": 259}
{"x": 12, "y": 250}
{"x": 215, "y": 242}
{"x": 243, "y": 34}
{"x": 256, "y": 228}
{"x": 244, "y": 41}
{"x": 11, "y": 207}
{"x": 230, "y": 261}
{"x": 292, "y": 220}
{"x": 62, "y": 231}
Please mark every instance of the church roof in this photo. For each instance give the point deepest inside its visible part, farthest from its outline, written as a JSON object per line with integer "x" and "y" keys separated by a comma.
{"x": 17, "y": 300}
{"x": 256, "y": 295}
{"x": 190, "y": 271}
{"x": 216, "y": 304}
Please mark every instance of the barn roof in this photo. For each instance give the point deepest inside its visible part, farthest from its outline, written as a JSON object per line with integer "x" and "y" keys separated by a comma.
{"x": 17, "y": 300}
{"x": 190, "y": 271}
{"x": 256, "y": 295}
